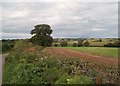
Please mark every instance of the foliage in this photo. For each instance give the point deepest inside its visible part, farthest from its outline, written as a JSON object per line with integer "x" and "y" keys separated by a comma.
{"x": 74, "y": 44}
{"x": 63, "y": 79}
{"x": 7, "y": 45}
{"x": 80, "y": 80}
{"x": 42, "y": 40}
{"x": 64, "y": 43}
{"x": 93, "y": 42}
{"x": 28, "y": 64}
{"x": 0, "y": 46}
{"x": 86, "y": 43}
{"x": 42, "y": 35}
{"x": 80, "y": 43}
{"x": 55, "y": 45}
{"x": 114, "y": 44}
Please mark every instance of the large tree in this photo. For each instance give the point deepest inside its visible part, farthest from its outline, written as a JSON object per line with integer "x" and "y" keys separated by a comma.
{"x": 41, "y": 35}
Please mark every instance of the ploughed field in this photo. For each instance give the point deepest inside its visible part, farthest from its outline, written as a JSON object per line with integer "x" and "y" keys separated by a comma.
{"x": 32, "y": 64}
{"x": 98, "y": 55}
{"x": 101, "y": 51}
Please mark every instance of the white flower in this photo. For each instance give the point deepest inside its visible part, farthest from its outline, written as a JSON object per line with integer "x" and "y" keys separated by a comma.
{"x": 68, "y": 80}
{"x": 36, "y": 59}
{"x": 41, "y": 58}
{"x": 19, "y": 76}
{"x": 45, "y": 57}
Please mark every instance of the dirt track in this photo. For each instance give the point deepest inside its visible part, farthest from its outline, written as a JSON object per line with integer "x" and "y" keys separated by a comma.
{"x": 2, "y": 61}
{"x": 72, "y": 53}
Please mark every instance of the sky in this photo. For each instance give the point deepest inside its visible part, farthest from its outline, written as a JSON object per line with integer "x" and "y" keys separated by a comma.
{"x": 67, "y": 19}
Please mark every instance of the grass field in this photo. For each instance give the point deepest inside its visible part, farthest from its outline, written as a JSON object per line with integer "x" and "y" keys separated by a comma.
{"x": 102, "y": 51}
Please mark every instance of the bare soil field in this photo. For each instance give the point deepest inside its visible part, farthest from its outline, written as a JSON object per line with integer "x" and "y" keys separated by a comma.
{"x": 89, "y": 57}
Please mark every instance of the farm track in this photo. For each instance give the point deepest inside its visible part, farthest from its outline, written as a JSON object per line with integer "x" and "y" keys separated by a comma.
{"x": 2, "y": 62}
{"x": 89, "y": 57}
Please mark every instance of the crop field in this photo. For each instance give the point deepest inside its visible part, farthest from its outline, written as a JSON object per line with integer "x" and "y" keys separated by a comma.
{"x": 102, "y": 51}
{"x": 32, "y": 64}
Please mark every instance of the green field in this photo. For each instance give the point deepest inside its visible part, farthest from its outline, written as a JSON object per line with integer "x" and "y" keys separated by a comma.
{"x": 102, "y": 51}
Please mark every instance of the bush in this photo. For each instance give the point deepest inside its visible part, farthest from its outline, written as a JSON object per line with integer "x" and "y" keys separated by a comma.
{"x": 74, "y": 44}
{"x": 7, "y": 45}
{"x": 64, "y": 43}
{"x": 80, "y": 43}
{"x": 86, "y": 43}
{"x": 115, "y": 44}
{"x": 56, "y": 45}
{"x": 108, "y": 45}
{"x": 80, "y": 80}
{"x": 63, "y": 79}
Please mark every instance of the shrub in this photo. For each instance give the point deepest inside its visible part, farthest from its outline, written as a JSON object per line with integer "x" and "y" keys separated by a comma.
{"x": 7, "y": 45}
{"x": 63, "y": 79}
{"x": 64, "y": 43}
{"x": 56, "y": 45}
{"x": 115, "y": 44}
{"x": 51, "y": 75}
{"x": 80, "y": 43}
{"x": 80, "y": 80}
{"x": 74, "y": 44}
{"x": 108, "y": 45}
{"x": 86, "y": 43}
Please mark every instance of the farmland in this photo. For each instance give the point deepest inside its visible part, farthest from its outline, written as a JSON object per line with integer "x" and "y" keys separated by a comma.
{"x": 59, "y": 42}
{"x": 32, "y": 64}
{"x": 102, "y": 51}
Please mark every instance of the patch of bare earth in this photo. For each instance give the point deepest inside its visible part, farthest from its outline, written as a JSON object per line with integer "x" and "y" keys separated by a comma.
{"x": 30, "y": 49}
{"x": 89, "y": 57}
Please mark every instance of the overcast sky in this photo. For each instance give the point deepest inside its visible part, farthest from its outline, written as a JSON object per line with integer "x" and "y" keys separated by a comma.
{"x": 67, "y": 19}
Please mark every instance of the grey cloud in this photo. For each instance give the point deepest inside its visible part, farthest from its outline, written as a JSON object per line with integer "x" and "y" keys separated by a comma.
{"x": 67, "y": 19}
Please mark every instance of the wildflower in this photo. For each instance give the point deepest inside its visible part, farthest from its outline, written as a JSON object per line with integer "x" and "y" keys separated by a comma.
{"x": 41, "y": 58}
{"x": 68, "y": 80}
{"x": 19, "y": 76}
{"x": 36, "y": 59}
{"x": 45, "y": 57}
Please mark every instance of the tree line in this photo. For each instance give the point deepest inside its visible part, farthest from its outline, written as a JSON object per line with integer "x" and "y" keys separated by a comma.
{"x": 79, "y": 44}
{"x": 41, "y": 35}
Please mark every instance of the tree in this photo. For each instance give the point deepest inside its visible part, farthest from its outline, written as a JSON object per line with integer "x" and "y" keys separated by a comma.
{"x": 55, "y": 44}
{"x": 108, "y": 45}
{"x": 86, "y": 43}
{"x": 116, "y": 43}
{"x": 41, "y": 35}
{"x": 100, "y": 39}
{"x": 64, "y": 43}
{"x": 74, "y": 44}
{"x": 80, "y": 42}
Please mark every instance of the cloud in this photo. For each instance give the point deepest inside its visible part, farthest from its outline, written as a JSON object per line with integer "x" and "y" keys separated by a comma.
{"x": 67, "y": 19}
{"x": 60, "y": 1}
{"x": 98, "y": 29}
{"x": 15, "y": 35}
{"x": 17, "y": 14}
